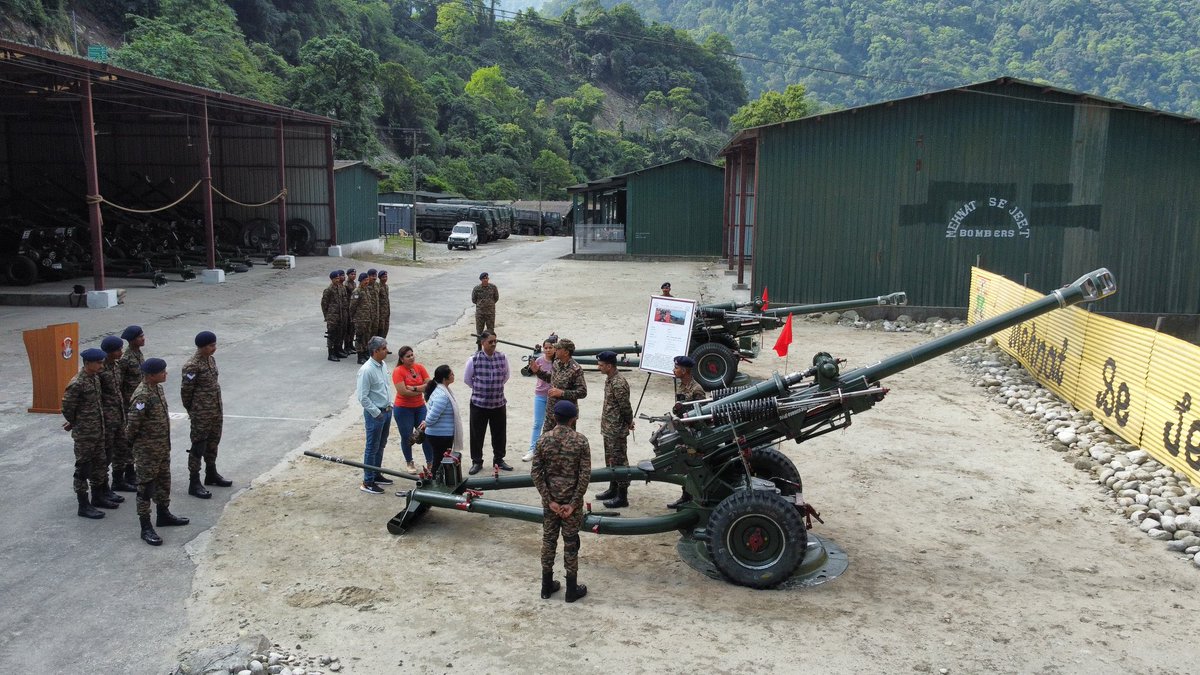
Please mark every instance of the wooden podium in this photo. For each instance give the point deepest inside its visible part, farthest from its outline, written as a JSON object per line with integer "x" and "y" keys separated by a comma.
{"x": 54, "y": 360}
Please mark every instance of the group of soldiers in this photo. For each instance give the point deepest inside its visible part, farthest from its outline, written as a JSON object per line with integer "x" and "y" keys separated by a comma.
{"x": 116, "y": 411}
{"x": 355, "y": 309}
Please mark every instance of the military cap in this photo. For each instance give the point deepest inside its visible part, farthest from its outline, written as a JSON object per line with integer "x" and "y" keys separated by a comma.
{"x": 372, "y": 272}
{"x": 335, "y": 274}
{"x": 111, "y": 344}
{"x": 685, "y": 362}
{"x": 382, "y": 273}
{"x": 93, "y": 354}
{"x": 153, "y": 366}
{"x": 205, "y": 338}
{"x": 483, "y": 275}
{"x": 565, "y": 410}
{"x": 607, "y": 356}
{"x": 666, "y": 284}
{"x": 131, "y": 333}
{"x": 351, "y": 271}
{"x": 362, "y": 276}
{"x": 566, "y": 344}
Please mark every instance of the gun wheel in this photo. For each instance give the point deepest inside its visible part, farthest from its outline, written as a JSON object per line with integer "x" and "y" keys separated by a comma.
{"x": 756, "y": 539}
{"x": 716, "y": 365}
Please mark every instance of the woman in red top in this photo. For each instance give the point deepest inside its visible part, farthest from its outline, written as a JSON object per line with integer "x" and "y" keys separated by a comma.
{"x": 410, "y": 378}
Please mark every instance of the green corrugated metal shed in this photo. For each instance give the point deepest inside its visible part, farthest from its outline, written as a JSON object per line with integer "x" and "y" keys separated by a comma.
{"x": 1036, "y": 182}
{"x": 669, "y": 209}
{"x": 356, "y": 185}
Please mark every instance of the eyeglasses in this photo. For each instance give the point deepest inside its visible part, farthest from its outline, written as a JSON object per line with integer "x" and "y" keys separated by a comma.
{"x": 490, "y": 342}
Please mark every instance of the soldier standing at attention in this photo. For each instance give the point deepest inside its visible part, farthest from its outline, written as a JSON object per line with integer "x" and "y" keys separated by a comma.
{"x": 332, "y": 300}
{"x": 116, "y": 448}
{"x": 201, "y": 395}
{"x": 665, "y": 290}
{"x": 688, "y": 389}
{"x": 131, "y": 377}
{"x": 562, "y": 465}
{"x": 362, "y": 314}
{"x": 347, "y": 323}
{"x": 485, "y": 295}
{"x": 565, "y": 378}
{"x": 82, "y": 407}
{"x": 148, "y": 428}
{"x": 385, "y": 304}
{"x": 616, "y": 421}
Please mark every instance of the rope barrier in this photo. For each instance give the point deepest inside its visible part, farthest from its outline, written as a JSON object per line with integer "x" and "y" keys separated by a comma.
{"x": 272, "y": 200}
{"x": 99, "y": 199}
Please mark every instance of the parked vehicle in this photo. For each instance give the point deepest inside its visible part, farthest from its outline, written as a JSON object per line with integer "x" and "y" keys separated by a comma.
{"x": 465, "y": 235}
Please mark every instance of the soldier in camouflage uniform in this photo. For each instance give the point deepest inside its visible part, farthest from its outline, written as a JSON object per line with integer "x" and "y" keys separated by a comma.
{"x": 84, "y": 412}
{"x": 385, "y": 304}
{"x": 201, "y": 395}
{"x": 565, "y": 378}
{"x": 347, "y": 324}
{"x": 333, "y": 301}
{"x": 616, "y": 421}
{"x": 116, "y": 448}
{"x": 484, "y": 296}
{"x": 562, "y": 466}
{"x": 130, "y": 367}
{"x": 148, "y": 427}
{"x": 362, "y": 314}
{"x": 687, "y": 389}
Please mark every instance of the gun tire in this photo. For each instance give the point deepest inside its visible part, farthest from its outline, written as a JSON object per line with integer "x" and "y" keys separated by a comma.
{"x": 20, "y": 270}
{"x": 778, "y": 468}
{"x": 716, "y": 365}
{"x": 756, "y": 539}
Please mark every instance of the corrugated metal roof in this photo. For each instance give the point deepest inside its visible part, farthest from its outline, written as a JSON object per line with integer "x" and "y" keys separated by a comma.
{"x": 339, "y": 164}
{"x": 620, "y": 179}
{"x": 559, "y": 207}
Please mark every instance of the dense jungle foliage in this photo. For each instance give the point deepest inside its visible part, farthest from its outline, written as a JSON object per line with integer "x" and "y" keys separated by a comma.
{"x": 1141, "y": 51}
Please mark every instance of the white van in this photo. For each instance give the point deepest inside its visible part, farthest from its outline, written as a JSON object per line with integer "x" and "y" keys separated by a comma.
{"x": 464, "y": 235}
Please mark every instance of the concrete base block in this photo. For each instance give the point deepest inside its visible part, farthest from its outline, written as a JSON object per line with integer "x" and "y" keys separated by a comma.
{"x": 741, "y": 287}
{"x": 335, "y": 251}
{"x": 212, "y": 276}
{"x": 731, "y": 273}
{"x": 284, "y": 262}
{"x": 101, "y": 299}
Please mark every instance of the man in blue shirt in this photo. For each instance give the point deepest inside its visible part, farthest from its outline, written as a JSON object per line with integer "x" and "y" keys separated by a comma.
{"x": 374, "y": 394}
{"x": 486, "y": 373}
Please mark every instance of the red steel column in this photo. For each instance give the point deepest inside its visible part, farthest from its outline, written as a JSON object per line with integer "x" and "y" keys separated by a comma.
{"x": 95, "y": 220}
{"x": 333, "y": 237}
{"x": 741, "y": 236}
{"x": 206, "y": 188}
{"x": 283, "y": 247}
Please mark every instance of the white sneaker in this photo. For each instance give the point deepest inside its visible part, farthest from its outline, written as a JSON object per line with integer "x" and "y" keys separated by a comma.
{"x": 528, "y": 457}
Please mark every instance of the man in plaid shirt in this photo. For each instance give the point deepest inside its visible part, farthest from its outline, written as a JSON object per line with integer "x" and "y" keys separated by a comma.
{"x": 486, "y": 373}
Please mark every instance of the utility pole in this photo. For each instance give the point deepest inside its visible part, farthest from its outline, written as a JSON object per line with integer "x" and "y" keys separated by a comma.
{"x": 414, "y": 193}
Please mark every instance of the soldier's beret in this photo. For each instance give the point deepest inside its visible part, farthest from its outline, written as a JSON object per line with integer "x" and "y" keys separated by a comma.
{"x": 131, "y": 333}
{"x": 382, "y": 273}
{"x": 685, "y": 362}
{"x": 566, "y": 344}
{"x": 607, "y": 356}
{"x": 362, "y": 276}
{"x": 666, "y": 284}
{"x": 205, "y": 338}
{"x": 350, "y": 271}
{"x": 93, "y": 354}
{"x": 335, "y": 274}
{"x": 483, "y": 275}
{"x": 565, "y": 410}
{"x": 111, "y": 344}
{"x": 153, "y": 366}
{"x": 372, "y": 272}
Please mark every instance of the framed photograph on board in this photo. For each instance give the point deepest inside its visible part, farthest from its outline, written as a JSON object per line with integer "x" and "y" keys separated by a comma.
{"x": 668, "y": 333}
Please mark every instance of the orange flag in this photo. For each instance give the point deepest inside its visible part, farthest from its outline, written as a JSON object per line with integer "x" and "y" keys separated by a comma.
{"x": 785, "y": 338}
{"x": 764, "y": 297}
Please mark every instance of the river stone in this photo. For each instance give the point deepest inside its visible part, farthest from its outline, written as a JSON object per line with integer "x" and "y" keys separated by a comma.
{"x": 1187, "y": 523}
{"x": 1138, "y": 456}
{"x": 256, "y": 666}
{"x": 1159, "y": 535}
{"x": 1148, "y": 524}
{"x": 1066, "y": 436}
{"x": 335, "y": 666}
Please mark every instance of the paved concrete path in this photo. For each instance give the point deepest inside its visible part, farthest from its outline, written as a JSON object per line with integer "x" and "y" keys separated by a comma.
{"x": 88, "y": 596}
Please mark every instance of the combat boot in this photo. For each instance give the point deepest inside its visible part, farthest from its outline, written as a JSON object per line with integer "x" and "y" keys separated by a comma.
{"x": 100, "y": 499}
{"x": 575, "y": 591}
{"x": 195, "y": 488}
{"x": 362, "y": 358}
{"x": 131, "y": 476}
{"x": 211, "y": 477}
{"x": 341, "y": 353}
{"x": 620, "y": 499}
{"x": 148, "y": 534}
{"x": 609, "y": 493}
{"x": 333, "y": 356}
{"x": 112, "y": 496}
{"x": 121, "y": 483}
{"x": 167, "y": 519}
{"x": 86, "y": 510}
{"x": 549, "y": 585}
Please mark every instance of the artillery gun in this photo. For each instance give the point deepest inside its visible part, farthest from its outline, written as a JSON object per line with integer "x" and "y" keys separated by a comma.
{"x": 747, "y": 509}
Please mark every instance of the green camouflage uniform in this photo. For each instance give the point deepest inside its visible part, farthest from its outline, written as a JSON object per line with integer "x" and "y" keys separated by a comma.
{"x": 131, "y": 373}
{"x": 363, "y": 304}
{"x": 116, "y": 447}
{"x": 383, "y": 293}
{"x": 485, "y": 299}
{"x": 347, "y": 324}
{"x": 333, "y": 301}
{"x": 615, "y": 418}
{"x": 568, "y": 377}
{"x": 561, "y": 469}
{"x": 83, "y": 408}
{"x": 148, "y": 428}
{"x": 201, "y": 394}
{"x": 690, "y": 391}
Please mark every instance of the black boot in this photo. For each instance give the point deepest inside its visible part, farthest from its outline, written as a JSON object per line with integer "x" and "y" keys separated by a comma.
{"x": 120, "y": 483}
{"x": 549, "y": 585}
{"x": 131, "y": 476}
{"x": 148, "y": 534}
{"x": 100, "y": 498}
{"x": 609, "y": 493}
{"x": 167, "y": 519}
{"x": 683, "y": 499}
{"x": 362, "y": 358}
{"x": 195, "y": 488}
{"x": 333, "y": 356}
{"x": 112, "y": 496}
{"x": 86, "y": 510}
{"x": 575, "y": 591}
{"x": 211, "y": 477}
{"x": 621, "y": 499}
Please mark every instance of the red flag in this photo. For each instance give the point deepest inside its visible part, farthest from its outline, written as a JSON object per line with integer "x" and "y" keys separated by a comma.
{"x": 785, "y": 338}
{"x": 764, "y": 297}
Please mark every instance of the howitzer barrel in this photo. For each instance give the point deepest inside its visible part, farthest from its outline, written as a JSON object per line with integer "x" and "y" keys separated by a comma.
{"x": 893, "y": 299}
{"x": 593, "y": 351}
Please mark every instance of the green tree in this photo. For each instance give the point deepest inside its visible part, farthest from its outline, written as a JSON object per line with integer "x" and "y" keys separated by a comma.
{"x": 488, "y": 84}
{"x": 337, "y": 78}
{"x": 773, "y": 107}
{"x": 502, "y": 188}
{"x": 554, "y": 175}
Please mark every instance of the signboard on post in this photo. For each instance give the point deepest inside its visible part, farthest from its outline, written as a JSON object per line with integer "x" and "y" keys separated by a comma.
{"x": 668, "y": 333}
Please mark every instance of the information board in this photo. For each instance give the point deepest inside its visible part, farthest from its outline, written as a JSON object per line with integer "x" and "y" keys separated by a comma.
{"x": 668, "y": 333}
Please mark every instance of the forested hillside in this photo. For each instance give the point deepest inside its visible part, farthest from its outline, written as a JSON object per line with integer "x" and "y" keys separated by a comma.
{"x": 1141, "y": 51}
{"x": 506, "y": 105}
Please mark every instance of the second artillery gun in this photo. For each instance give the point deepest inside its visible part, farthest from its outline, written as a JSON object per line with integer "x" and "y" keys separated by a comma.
{"x": 747, "y": 513}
